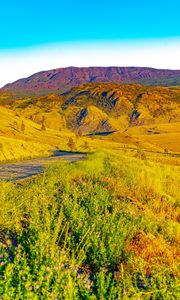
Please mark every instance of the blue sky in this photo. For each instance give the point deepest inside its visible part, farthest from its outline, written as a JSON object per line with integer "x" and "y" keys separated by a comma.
{"x": 34, "y": 22}
{"x": 34, "y": 31}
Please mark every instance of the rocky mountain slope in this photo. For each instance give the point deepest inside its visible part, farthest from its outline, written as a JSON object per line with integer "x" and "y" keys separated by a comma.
{"x": 61, "y": 80}
{"x": 106, "y": 107}
{"x": 101, "y": 107}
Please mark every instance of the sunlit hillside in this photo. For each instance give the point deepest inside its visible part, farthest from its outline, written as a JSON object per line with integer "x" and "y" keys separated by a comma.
{"x": 124, "y": 105}
{"x": 22, "y": 138}
{"x": 95, "y": 115}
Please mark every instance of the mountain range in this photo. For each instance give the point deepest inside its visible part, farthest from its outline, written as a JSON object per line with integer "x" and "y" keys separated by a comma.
{"x": 62, "y": 79}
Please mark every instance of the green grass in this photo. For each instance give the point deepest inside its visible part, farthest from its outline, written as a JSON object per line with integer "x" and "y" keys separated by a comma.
{"x": 103, "y": 228}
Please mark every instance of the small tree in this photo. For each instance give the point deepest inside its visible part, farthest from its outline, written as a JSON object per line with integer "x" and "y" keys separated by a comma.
{"x": 140, "y": 154}
{"x": 43, "y": 126}
{"x": 15, "y": 124}
{"x": 78, "y": 133}
{"x": 86, "y": 145}
{"x": 23, "y": 127}
{"x": 1, "y": 147}
{"x": 71, "y": 144}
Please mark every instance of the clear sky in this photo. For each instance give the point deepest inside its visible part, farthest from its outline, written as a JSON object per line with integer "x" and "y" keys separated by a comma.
{"x": 31, "y": 27}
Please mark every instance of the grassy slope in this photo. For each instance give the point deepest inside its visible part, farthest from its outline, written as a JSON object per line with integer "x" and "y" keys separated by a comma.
{"x": 159, "y": 108}
{"x": 104, "y": 228}
{"x": 18, "y": 145}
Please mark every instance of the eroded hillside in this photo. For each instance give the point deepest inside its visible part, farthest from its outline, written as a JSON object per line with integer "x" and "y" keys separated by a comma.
{"x": 127, "y": 114}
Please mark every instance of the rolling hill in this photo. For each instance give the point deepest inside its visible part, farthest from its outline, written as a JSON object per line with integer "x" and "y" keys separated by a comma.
{"x": 62, "y": 79}
{"x": 103, "y": 114}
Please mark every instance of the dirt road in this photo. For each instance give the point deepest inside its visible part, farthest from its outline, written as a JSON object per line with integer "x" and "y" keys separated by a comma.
{"x": 28, "y": 168}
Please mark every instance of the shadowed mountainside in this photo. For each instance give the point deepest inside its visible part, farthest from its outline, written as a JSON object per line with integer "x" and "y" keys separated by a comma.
{"x": 62, "y": 79}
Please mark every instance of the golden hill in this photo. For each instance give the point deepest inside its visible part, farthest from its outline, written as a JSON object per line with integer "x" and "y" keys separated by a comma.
{"x": 126, "y": 105}
{"x": 139, "y": 116}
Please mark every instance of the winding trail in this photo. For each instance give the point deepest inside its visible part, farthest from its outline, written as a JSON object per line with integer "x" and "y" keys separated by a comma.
{"x": 29, "y": 168}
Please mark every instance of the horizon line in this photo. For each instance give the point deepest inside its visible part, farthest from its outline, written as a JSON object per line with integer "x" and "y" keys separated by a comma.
{"x": 93, "y": 66}
{"x": 147, "y": 53}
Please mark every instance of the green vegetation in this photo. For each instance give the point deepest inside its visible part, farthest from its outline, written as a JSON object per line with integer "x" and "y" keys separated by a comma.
{"x": 102, "y": 228}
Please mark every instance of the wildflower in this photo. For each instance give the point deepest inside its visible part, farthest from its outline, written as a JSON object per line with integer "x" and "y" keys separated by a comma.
{"x": 37, "y": 286}
{"x": 75, "y": 270}
{"x": 125, "y": 292}
{"x": 88, "y": 286}
{"x": 116, "y": 274}
{"x": 62, "y": 265}
{"x": 23, "y": 277}
{"x": 56, "y": 268}
{"x": 30, "y": 288}
{"x": 8, "y": 242}
{"x": 106, "y": 270}
{"x": 48, "y": 269}
{"x": 2, "y": 263}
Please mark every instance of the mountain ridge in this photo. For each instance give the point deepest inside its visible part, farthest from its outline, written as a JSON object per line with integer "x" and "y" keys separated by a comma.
{"x": 62, "y": 79}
